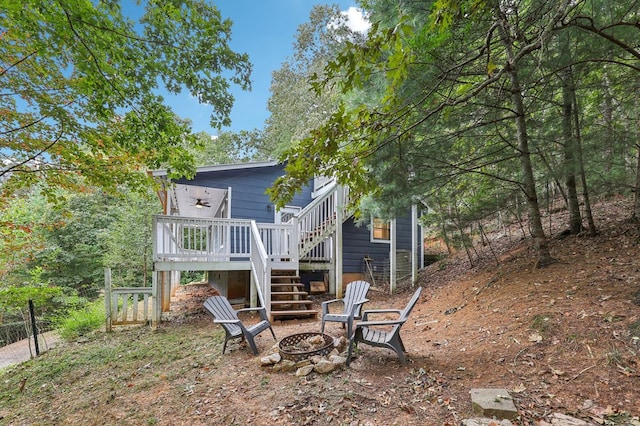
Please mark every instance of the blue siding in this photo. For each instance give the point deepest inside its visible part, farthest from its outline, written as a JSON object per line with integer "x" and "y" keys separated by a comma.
{"x": 357, "y": 244}
{"x": 248, "y": 185}
{"x": 249, "y": 201}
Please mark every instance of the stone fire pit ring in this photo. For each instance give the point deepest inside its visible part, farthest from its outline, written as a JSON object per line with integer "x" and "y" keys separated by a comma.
{"x": 291, "y": 347}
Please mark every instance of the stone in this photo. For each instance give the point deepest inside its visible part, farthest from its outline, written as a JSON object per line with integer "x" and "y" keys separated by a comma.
{"x": 285, "y": 365}
{"x": 304, "y": 363}
{"x": 274, "y": 358}
{"x": 324, "y": 366}
{"x": 558, "y": 419}
{"x": 337, "y": 360}
{"x": 316, "y": 359}
{"x": 486, "y": 422}
{"x": 304, "y": 371}
{"x": 340, "y": 343}
{"x": 493, "y": 403}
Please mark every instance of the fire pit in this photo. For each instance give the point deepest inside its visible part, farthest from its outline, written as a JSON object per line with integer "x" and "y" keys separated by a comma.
{"x": 305, "y": 345}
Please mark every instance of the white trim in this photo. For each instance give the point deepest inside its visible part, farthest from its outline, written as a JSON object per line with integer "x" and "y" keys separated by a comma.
{"x": 277, "y": 218}
{"x": 379, "y": 240}
{"x": 222, "y": 167}
{"x": 393, "y": 258}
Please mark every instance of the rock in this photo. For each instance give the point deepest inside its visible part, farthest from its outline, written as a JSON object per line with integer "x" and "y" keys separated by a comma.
{"x": 558, "y": 419}
{"x": 493, "y": 403}
{"x": 285, "y": 365}
{"x": 304, "y": 363}
{"x": 337, "y": 360}
{"x": 486, "y": 422}
{"x": 324, "y": 366}
{"x": 304, "y": 371}
{"x": 316, "y": 359}
{"x": 340, "y": 343}
{"x": 316, "y": 340}
{"x": 274, "y": 358}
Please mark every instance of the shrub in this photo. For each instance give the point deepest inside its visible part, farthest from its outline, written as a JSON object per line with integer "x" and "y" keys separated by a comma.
{"x": 79, "y": 322}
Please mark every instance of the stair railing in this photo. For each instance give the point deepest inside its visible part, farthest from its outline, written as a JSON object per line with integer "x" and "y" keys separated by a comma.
{"x": 260, "y": 268}
{"x": 317, "y": 221}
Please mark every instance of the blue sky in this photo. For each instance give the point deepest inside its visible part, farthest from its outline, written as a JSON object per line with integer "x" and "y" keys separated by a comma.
{"x": 265, "y": 29}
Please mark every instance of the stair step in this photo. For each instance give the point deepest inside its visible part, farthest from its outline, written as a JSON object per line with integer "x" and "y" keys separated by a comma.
{"x": 289, "y": 293}
{"x": 298, "y": 313}
{"x": 280, "y": 285}
{"x": 275, "y": 303}
{"x": 288, "y": 278}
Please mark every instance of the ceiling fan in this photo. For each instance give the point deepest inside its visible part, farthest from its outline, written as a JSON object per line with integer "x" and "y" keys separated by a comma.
{"x": 200, "y": 204}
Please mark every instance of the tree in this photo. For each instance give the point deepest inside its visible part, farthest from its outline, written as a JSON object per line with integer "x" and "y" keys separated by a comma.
{"x": 458, "y": 102}
{"x": 295, "y": 107}
{"x": 81, "y": 81}
{"x": 128, "y": 240}
{"x": 231, "y": 148}
{"x": 20, "y": 236}
{"x": 72, "y": 254}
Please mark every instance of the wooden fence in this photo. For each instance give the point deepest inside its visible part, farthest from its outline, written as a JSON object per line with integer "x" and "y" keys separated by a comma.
{"x": 127, "y": 305}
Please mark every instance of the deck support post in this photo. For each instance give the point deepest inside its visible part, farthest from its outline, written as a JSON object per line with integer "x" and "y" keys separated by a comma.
{"x": 339, "y": 245}
{"x": 415, "y": 248}
{"x": 393, "y": 259}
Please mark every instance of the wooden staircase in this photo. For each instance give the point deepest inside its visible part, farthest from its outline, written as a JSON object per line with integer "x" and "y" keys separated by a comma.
{"x": 288, "y": 297}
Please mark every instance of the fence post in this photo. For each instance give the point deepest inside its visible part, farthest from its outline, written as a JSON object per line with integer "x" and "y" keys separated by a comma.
{"x": 107, "y": 296}
{"x": 34, "y": 329}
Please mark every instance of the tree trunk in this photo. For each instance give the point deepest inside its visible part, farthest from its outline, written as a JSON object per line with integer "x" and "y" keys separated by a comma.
{"x": 591, "y": 225}
{"x": 568, "y": 89}
{"x": 636, "y": 199}
{"x": 636, "y": 193}
{"x": 528, "y": 179}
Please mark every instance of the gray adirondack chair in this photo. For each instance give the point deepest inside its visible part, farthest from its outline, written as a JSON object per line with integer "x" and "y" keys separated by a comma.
{"x": 224, "y": 314}
{"x": 384, "y": 333}
{"x": 354, "y": 297}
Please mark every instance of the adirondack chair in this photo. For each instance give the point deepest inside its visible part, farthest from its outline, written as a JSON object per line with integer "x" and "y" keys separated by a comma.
{"x": 224, "y": 314}
{"x": 378, "y": 333}
{"x": 354, "y": 298}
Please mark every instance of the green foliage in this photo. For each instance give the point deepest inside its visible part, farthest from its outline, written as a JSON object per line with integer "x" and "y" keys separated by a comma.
{"x": 81, "y": 80}
{"x": 295, "y": 107}
{"x": 72, "y": 256}
{"x": 427, "y": 110}
{"x": 67, "y": 245}
{"x": 232, "y": 148}
{"x": 82, "y": 320}
{"x": 128, "y": 240}
{"x": 18, "y": 297}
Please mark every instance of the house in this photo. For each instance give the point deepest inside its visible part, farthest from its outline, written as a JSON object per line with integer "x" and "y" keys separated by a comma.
{"x": 223, "y": 222}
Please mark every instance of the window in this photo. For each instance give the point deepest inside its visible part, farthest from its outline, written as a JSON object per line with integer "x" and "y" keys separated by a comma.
{"x": 380, "y": 230}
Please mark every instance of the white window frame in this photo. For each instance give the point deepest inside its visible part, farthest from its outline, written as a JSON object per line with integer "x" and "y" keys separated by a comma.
{"x": 286, "y": 209}
{"x": 379, "y": 240}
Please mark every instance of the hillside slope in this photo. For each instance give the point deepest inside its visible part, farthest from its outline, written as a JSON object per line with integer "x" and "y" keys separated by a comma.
{"x": 563, "y": 339}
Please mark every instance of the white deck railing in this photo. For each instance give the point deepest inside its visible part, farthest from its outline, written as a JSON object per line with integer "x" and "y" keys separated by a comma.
{"x": 128, "y": 305}
{"x": 194, "y": 239}
{"x": 260, "y": 269}
{"x": 215, "y": 239}
{"x": 317, "y": 222}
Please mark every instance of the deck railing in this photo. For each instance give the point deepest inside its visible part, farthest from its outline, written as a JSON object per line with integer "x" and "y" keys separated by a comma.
{"x": 317, "y": 222}
{"x": 128, "y": 305}
{"x": 195, "y": 239}
{"x": 279, "y": 242}
{"x": 260, "y": 269}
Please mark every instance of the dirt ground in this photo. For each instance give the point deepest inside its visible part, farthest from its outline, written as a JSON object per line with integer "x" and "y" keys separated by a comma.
{"x": 563, "y": 339}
